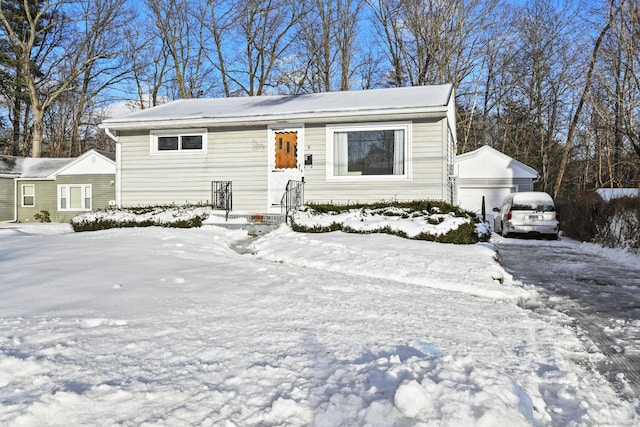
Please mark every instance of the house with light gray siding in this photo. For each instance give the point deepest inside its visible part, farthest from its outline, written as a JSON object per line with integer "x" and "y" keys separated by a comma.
{"x": 61, "y": 187}
{"x": 356, "y": 146}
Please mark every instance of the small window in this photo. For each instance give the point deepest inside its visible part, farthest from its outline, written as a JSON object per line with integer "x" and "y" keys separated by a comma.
{"x": 188, "y": 140}
{"x": 28, "y": 195}
{"x": 369, "y": 151}
{"x": 191, "y": 142}
{"x": 166, "y": 143}
{"x": 74, "y": 197}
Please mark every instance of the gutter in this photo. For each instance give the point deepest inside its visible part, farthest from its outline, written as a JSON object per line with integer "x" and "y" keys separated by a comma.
{"x": 15, "y": 204}
{"x": 109, "y": 134}
{"x": 116, "y": 138}
{"x": 332, "y": 116}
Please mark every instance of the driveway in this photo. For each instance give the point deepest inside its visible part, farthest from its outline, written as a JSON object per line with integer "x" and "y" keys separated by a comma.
{"x": 598, "y": 291}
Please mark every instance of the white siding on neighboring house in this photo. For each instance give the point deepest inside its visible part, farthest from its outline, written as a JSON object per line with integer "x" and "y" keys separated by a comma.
{"x": 488, "y": 173}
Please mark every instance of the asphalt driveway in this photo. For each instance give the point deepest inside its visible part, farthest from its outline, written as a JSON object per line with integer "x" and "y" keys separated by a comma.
{"x": 598, "y": 291}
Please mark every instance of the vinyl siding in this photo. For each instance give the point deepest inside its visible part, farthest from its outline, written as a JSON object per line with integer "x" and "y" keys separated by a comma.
{"x": 7, "y": 199}
{"x": 522, "y": 184}
{"x": 233, "y": 154}
{"x": 46, "y": 196}
{"x": 239, "y": 154}
{"x": 428, "y": 164}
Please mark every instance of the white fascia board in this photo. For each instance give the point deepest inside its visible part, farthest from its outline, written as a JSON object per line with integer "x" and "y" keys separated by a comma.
{"x": 273, "y": 118}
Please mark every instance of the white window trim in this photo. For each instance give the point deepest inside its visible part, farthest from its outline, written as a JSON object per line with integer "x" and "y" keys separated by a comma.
{"x": 33, "y": 194}
{"x": 154, "y": 134}
{"x": 84, "y": 188}
{"x": 405, "y": 126}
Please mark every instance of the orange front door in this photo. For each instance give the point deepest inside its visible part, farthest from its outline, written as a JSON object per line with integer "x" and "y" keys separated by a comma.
{"x": 286, "y": 150}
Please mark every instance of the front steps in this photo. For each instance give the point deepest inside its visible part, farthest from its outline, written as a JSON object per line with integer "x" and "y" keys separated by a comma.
{"x": 254, "y": 224}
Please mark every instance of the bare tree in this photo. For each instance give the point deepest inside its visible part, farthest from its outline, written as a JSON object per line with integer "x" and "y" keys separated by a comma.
{"x": 64, "y": 58}
{"x": 266, "y": 30}
{"x": 431, "y": 41}
{"x": 180, "y": 35}
{"x": 576, "y": 115}
{"x": 218, "y": 19}
{"x": 543, "y": 74}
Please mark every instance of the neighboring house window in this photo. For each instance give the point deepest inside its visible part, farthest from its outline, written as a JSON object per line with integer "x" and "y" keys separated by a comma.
{"x": 369, "y": 150}
{"x": 28, "y": 195}
{"x": 188, "y": 140}
{"x": 74, "y": 197}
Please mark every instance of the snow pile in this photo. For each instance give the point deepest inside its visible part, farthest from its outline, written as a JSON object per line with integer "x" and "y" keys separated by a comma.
{"x": 416, "y": 262}
{"x": 161, "y": 326}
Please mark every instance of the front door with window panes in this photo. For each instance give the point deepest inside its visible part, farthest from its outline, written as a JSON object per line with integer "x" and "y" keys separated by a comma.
{"x": 285, "y": 163}
{"x": 286, "y": 150}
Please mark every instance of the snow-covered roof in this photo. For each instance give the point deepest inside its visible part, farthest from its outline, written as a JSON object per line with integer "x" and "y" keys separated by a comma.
{"x": 8, "y": 165}
{"x": 487, "y": 162}
{"x": 211, "y": 111}
{"x": 608, "y": 194}
{"x": 27, "y": 167}
{"x": 43, "y": 167}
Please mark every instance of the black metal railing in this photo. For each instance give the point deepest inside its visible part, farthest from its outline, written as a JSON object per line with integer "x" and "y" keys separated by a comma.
{"x": 221, "y": 197}
{"x": 293, "y": 197}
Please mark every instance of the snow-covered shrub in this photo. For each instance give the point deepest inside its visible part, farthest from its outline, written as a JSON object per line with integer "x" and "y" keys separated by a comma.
{"x": 420, "y": 220}
{"x": 161, "y": 216}
{"x": 621, "y": 228}
{"x": 615, "y": 224}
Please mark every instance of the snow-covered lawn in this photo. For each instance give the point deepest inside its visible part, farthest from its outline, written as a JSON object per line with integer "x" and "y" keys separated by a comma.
{"x": 172, "y": 327}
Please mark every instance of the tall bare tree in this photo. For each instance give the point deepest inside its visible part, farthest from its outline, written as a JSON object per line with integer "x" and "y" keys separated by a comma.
{"x": 64, "y": 58}
{"x": 180, "y": 33}
{"x": 266, "y": 30}
{"x": 576, "y": 115}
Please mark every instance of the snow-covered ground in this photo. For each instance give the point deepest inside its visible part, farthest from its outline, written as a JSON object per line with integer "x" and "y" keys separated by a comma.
{"x": 172, "y": 327}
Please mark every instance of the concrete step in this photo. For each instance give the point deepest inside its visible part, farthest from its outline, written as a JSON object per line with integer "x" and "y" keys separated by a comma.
{"x": 254, "y": 224}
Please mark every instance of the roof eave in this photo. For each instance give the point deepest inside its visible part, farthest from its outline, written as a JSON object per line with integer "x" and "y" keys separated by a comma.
{"x": 324, "y": 116}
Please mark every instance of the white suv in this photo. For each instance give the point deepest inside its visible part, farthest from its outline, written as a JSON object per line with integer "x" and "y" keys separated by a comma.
{"x": 529, "y": 213}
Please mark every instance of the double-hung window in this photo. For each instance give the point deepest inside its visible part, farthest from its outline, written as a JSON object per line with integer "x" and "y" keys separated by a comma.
{"x": 179, "y": 141}
{"x": 369, "y": 150}
{"x": 74, "y": 197}
{"x": 28, "y": 195}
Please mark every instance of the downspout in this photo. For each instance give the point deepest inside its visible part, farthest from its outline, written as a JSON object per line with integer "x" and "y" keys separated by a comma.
{"x": 115, "y": 137}
{"x": 16, "y": 199}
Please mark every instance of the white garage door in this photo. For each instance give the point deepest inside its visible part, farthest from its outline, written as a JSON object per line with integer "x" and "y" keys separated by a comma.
{"x": 470, "y": 198}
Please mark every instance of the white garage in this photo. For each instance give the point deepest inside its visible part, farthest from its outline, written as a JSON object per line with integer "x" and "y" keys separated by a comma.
{"x": 488, "y": 173}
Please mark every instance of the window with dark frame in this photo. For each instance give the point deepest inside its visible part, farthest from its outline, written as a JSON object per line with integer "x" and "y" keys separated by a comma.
{"x": 179, "y": 143}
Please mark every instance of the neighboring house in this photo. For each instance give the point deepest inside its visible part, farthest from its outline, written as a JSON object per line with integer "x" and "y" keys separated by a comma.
{"x": 608, "y": 194}
{"x": 488, "y": 173}
{"x": 63, "y": 187}
{"x": 356, "y": 146}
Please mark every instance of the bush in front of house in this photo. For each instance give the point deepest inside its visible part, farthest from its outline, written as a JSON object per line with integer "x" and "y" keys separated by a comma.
{"x": 160, "y": 216}
{"x": 42, "y": 216}
{"x": 439, "y": 221}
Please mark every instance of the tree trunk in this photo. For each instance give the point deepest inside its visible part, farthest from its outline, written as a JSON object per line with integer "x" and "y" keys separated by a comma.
{"x": 576, "y": 115}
